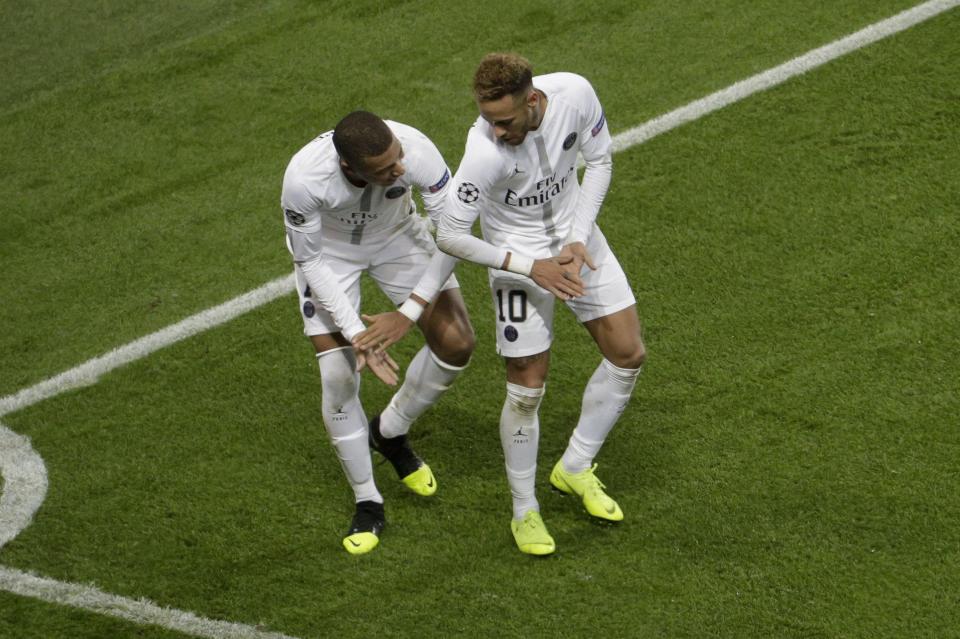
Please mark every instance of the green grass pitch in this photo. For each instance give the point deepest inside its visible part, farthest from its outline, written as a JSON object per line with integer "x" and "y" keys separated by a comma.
{"x": 788, "y": 465}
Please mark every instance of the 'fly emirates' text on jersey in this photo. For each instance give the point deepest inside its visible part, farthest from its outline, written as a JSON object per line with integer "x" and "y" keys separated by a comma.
{"x": 527, "y": 196}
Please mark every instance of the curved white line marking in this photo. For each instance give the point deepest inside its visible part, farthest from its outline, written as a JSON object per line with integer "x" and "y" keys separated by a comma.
{"x": 22, "y": 469}
{"x": 24, "y": 483}
{"x": 23, "y": 472}
{"x": 139, "y": 611}
{"x": 25, "y": 478}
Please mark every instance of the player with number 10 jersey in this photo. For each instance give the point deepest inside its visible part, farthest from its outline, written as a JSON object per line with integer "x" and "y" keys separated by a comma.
{"x": 540, "y": 241}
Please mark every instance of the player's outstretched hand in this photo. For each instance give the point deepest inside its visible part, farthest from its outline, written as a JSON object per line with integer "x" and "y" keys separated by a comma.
{"x": 553, "y": 275}
{"x": 380, "y": 364}
{"x": 383, "y": 331}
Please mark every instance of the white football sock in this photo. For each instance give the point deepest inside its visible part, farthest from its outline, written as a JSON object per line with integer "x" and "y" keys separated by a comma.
{"x": 346, "y": 424}
{"x": 520, "y": 436}
{"x": 604, "y": 399}
{"x": 427, "y": 378}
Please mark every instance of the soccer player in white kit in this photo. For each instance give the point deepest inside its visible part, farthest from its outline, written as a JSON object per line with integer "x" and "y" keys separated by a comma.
{"x": 348, "y": 209}
{"x": 540, "y": 241}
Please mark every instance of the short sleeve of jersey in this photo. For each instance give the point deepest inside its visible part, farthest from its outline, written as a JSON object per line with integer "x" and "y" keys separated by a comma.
{"x": 595, "y": 133}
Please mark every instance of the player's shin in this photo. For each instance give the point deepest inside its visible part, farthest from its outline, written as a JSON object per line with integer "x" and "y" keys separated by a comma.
{"x": 604, "y": 399}
{"x": 520, "y": 435}
{"x": 345, "y": 421}
{"x": 427, "y": 378}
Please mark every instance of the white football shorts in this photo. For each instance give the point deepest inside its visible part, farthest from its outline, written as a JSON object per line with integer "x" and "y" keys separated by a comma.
{"x": 395, "y": 264}
{"x": 524, "y": 311}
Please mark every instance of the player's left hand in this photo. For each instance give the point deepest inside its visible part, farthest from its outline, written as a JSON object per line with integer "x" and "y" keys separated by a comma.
{"x": 383, "y": 330}
{"x": 380, "y": 364}
{"x": 578, "y": 251}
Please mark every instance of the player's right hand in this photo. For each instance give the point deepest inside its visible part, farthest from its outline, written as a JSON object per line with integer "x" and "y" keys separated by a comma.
{"x": 380, "y": 364}
{"x": 550, "y": 274}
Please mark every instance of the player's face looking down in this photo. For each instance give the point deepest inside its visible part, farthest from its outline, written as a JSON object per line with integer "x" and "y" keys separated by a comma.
{"x": 382, "y": 170}
{"x": 513, "y": 116}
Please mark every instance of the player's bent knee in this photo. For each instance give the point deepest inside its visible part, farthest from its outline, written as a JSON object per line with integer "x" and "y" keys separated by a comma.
{"x": 630, "y": 358}
{"x": 529, "y": 371}
{"x": 456, "y": 345}
{"x": 338, "y": 373}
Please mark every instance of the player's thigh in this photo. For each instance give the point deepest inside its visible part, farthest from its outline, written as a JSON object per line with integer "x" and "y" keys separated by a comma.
{"x": 523, "y": 314}
{"x": 317, "y": 321}
{"x": 606, "y": 289}
{"x": 618, "y": 337}
{"x": 608, "y": 308}
{"x": 446, "y": 327}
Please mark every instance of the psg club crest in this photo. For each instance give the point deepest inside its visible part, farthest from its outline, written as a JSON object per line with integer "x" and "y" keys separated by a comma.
{"x": 567, "y": 143}
{"x": 510, "y": 332}
{"x": 395, "y": 192}
{"x": 308, "y": 309}
{"x": 468, "y": 193}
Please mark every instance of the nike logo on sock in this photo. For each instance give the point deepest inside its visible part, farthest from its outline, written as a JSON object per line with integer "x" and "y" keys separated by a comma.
{"x": 355, "y": 544}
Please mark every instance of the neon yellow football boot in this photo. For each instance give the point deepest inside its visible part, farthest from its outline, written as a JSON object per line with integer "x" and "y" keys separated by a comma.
{"x": 364, "y": 534}
{"x": 421, "y": 481}
{"x": 589, "y": 488}
{"x": 531, "y": 534}
{"x": 411, "y": 470}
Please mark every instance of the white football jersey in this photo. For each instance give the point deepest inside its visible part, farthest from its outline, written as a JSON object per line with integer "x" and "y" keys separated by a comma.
{"x": 318, "y": 198}
{"x": 528, "y": 196}
{"x": 329, "y": 220}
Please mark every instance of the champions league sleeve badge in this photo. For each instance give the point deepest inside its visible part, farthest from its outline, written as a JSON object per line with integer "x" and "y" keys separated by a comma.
{"x": 468, "y": 193}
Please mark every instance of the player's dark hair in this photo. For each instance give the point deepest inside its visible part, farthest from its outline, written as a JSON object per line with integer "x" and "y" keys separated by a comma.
{"x": 361, "y": 135}
{"x": 501, "y": 74}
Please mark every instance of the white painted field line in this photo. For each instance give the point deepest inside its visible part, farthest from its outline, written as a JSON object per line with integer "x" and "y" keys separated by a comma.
{"x": 21, "y": 464}
{"x": 90, "y": 371}
{"x": 780, "y": 74}
{"x": 139, "y": 611}
{"x": 25, "y": 478}
{"x": 24, "y": 483}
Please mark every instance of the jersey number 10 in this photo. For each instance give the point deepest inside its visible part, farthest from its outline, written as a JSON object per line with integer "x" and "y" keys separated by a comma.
{"x": 516, "y": 305}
